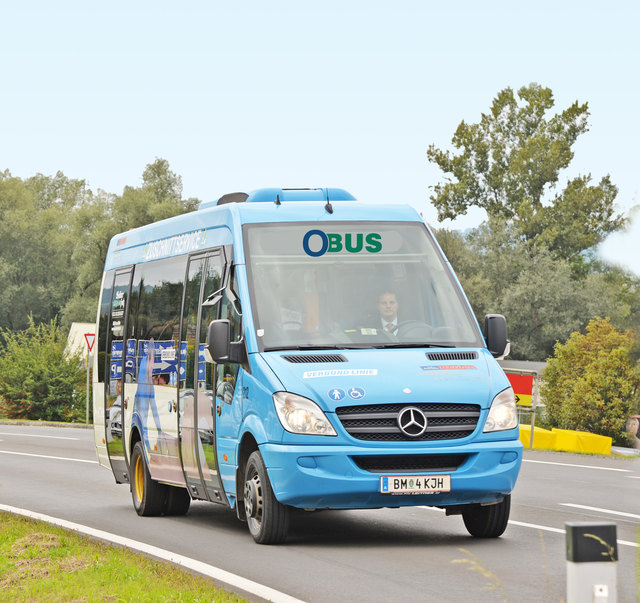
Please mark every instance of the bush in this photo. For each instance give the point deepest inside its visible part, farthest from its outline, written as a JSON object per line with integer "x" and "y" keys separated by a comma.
{"x": 37, "y": 380}
{"x": 593, "y": 384}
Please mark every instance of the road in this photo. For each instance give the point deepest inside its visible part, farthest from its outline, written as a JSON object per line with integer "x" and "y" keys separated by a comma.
{"x": 414, "y": 554}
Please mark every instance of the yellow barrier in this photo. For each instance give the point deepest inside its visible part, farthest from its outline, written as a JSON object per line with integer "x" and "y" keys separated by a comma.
{"x": 542, "y": 438}
{"x": 566, "y": 440}
{"x": 581, "y": 441}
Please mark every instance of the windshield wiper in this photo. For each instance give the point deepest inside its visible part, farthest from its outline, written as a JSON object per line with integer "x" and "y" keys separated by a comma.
{"x": 356, "y": 346}
{"x": 304, "y": 347}
{"x": 412, "y": 345}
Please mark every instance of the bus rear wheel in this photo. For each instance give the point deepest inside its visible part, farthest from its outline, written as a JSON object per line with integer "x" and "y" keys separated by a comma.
{"x": 148, "y": 495}
{"x": 268, "y": 520}
{"x": 489, "y": 521}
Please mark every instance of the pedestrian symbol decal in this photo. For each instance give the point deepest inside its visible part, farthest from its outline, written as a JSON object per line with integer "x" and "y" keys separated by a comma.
{"x": 336, "y": 394}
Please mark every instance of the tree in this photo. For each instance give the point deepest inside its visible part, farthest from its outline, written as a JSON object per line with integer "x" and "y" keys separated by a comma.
{"x": 508, "y": 164}
{"x": 36, "y": 243}
{"x": 37, "y": 380}
{"x": 539, "y": 294}
{"x": 104, "y": 216}
{"x": 593, "y": 383}
{"x": 54, "y": 236}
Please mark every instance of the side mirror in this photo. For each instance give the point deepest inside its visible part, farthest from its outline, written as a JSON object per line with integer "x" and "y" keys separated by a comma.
{"x": 218, "y": 344}
{"x": 495, "y": 333}
{"x": 219, "y": 348}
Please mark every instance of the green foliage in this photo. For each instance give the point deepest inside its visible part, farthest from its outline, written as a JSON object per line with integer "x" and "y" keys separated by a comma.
{"x": 54, "y": 236}
{"x": 37, "y": 380}
{"x": 42, "y": 562}
{"x": 540, "y": 295}
{"x": 593, "y": 383}
{"x": 104, "y": 216}
{"x": 533, "y": 259}
{"x": 511, "y": 160}
{"x": 36, "y": 244}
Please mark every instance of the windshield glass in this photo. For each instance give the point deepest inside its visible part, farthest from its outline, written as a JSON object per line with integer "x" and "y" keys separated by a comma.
{"x": 353, "y": 285}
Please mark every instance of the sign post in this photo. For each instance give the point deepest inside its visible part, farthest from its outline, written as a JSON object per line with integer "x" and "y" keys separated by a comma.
{"x": 525, "y": 388}
{"x": 90, "y": 338}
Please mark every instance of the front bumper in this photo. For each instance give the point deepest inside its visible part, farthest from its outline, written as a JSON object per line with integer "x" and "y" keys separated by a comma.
{"x": 319, "y": 477}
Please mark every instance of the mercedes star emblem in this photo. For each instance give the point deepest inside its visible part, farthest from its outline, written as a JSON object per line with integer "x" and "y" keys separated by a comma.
{"x": 412, "y": 421}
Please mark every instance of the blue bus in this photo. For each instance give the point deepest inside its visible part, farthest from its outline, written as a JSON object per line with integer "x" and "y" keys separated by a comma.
{"x": 295, "y": 348}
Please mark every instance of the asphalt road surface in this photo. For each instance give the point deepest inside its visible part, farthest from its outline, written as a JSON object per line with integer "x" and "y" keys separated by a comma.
{"x": 412, "y": 554}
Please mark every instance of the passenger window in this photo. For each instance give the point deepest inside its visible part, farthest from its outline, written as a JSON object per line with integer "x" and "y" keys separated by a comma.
{"x": 230, "y": 310}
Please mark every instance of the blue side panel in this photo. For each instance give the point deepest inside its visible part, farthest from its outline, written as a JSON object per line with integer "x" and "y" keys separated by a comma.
{"x": 175, "y": 236}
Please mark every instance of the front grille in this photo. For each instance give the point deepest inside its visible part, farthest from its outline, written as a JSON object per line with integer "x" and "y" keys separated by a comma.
{"x": 379, "y": 422}
{"x": 414, "y": 463}
{"x": 452, "y": 355}
{"x": 312, "y": 358}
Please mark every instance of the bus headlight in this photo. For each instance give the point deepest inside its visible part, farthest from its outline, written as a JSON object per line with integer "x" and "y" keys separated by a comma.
{"x": 301, "y": 415}
{"x": 502, "y": 414}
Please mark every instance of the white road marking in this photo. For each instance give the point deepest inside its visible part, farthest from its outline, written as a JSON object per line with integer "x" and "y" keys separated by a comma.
{"x": 535, "y": 526}
{"x": 576, "y": 465}
{"x": 621, "y": 513}
{"x": 31, "y": 435}
{"x": 560, "y": 531}
{"x": 255, "y": 588}
{"x": 45, "y": 456}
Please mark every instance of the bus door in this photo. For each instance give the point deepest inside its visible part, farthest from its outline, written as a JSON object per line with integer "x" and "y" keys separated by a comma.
{"x": 196, "y": 400}
{"x": 114, "y": 379}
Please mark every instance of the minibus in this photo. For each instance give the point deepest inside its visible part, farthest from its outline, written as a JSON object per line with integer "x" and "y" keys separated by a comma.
{"x": 298, "y": 349}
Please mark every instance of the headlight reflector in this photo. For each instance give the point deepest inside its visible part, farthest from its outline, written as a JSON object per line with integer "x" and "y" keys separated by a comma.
{"x": 301, "y": 415}
{"x": 502, "y": 414}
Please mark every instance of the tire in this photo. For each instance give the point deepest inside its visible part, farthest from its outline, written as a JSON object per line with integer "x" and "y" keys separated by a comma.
{"x": 177, "y": 501}
{"x": 267, "y": 519}
{"x": 148, "y": 495}
{"x": 488, "y": 522}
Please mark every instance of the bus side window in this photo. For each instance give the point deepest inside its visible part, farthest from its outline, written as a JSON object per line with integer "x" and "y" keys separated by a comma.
{"x": 213, "y": 279}
{"x": 228, "y": 373}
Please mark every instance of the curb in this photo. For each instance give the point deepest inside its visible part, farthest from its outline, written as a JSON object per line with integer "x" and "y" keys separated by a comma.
{"x": 45, "y": 424}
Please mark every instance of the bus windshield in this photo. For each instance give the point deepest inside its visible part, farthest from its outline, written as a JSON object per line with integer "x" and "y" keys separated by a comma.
{"x": 353, "y": 285}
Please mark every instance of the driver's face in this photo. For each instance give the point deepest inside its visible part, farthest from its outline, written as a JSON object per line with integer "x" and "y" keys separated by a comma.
{"x": 388, "y": 306}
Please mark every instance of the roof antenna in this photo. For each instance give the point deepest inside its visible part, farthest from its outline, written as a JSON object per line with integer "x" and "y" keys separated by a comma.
{"x": 277, "y": 201}
{"x": 328, "y": 206}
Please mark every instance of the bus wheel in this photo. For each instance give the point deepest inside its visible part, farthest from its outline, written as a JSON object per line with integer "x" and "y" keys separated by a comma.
{"x": 148, "y": 495}
{"x": 487, "y": 522}
{"x": 268, "y": 520}
{"x": 177, "y": 501}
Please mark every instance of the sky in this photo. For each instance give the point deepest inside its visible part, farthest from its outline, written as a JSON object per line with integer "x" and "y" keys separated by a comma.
{"x": 348, "y": 94}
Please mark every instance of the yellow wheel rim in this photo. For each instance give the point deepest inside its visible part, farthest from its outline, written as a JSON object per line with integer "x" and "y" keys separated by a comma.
{"x": 139, "y": 479}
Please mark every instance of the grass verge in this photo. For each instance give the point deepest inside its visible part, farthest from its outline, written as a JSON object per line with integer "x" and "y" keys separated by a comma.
{"x": 41, "y": 562}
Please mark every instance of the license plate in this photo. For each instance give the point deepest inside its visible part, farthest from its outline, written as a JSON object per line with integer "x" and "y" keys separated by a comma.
{"x": 414, "y": 484}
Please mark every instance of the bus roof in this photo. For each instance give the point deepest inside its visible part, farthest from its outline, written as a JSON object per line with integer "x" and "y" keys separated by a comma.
{"x": 219, "y": 223}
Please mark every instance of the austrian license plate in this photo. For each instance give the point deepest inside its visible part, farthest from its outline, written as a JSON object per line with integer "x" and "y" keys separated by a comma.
{"x": 414, "y": 484}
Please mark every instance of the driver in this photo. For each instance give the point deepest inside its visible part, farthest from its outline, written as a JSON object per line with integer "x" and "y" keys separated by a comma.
{"x": 388, "y": 310}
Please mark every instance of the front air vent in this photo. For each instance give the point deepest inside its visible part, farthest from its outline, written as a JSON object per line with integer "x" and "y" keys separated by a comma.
{"x": 410, "y": 463}
{"x": 314, "y": 358}
{"x": 452, "y": 355}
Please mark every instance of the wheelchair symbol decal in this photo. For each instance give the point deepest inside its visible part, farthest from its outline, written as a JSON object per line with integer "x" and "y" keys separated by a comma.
{"x": 356, "y": 393}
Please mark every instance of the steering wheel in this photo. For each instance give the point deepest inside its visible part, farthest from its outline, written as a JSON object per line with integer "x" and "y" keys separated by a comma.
{"x": 414, "y": 329}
